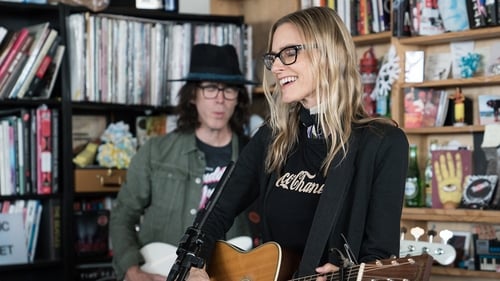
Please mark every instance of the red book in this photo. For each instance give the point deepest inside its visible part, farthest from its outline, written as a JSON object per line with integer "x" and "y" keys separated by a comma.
{"x": 44, "y": 150}
{"x": 20, "y": 39}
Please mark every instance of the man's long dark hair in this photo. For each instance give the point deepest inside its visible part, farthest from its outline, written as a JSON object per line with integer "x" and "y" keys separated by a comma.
{"x": 188, "y": 115}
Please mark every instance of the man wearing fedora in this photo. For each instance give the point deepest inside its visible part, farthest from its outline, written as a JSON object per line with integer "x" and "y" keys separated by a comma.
{"x": 171, "y": 177}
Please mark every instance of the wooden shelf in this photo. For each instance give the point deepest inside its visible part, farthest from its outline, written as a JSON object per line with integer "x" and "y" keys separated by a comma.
{"x": 464, "y": 82}
{"x": 375, "y": 38}
{"x": 466, "y": 35}
{"x": 454, "y": 215}
{"x": 451, "y": 271}
{"x": 444, "y": 130}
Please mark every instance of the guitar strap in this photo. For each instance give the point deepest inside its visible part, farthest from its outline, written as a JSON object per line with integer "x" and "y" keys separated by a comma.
{"x": 337, "y": 184}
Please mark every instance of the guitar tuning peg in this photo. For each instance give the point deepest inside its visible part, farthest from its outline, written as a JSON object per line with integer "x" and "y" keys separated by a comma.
{"x": 431, "y": 234}
{"x": 403, "y": 232}
{"x": 417, "y": 232}
{"x": 445, "y": 235}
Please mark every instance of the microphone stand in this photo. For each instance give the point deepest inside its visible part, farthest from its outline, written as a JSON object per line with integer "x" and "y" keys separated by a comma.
{"x": 191, "y": 242}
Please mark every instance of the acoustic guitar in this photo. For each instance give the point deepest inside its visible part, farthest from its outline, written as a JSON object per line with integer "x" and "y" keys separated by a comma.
{"x": 268, "y": 263}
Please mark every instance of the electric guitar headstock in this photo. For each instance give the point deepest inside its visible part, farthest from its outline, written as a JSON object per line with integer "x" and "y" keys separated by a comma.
{"x": 443, "y": 253}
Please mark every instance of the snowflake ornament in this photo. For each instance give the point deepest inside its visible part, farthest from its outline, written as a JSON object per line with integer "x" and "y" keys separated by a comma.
{"x": 388, "y": 73}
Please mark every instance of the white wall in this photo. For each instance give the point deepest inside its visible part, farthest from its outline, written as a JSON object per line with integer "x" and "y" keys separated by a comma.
{"x": 194, "y": 6}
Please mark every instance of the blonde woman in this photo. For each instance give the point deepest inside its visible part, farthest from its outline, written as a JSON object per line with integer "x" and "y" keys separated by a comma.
{"x": 323, "y": 172}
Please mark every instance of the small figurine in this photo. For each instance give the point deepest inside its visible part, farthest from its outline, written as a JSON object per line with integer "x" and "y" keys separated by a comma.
{"x": 459, "y": 108}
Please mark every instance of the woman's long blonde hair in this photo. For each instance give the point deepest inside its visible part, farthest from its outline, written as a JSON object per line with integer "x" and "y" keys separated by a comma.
{"x": 338, "y": 86}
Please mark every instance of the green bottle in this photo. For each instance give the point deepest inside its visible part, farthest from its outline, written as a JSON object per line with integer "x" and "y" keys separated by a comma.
{"x": 414, "y": 194}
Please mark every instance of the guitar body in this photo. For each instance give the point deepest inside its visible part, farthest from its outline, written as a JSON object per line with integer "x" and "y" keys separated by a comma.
{"x": 265, "y": 262}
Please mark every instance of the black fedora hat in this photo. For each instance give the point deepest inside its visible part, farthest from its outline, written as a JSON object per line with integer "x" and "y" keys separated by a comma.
{"x": 214, "y": 63}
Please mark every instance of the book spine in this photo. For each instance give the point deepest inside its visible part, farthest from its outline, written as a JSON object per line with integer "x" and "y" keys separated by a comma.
{"x": 39, "y": 33}
{"x": 5, "y": 170}
{"x": 49, "y": 79}
{"x": 497, "y": 5}
{"x": 55, "y": 230}
{"x": 49, "y": 233}
{"x": 401, "y": 19}
{"x": 20, "y": 156}
{"x": 11, "y": 77}
{"x": 476, "y": 18}
{"x": 42, "y": 69}
{"x": 3, "y": 183}
{"x": 33, "y": 153}
{"x": 29, "y": 219}
{"x": 16, "y": 47}
{"x": 26, "y": 135}
{"x": 13, "y": 153}
{"x": 55, "y": 150}
{"x": 491, "y": 10}
{"x": 44, "y": 151}
{"x": 36, "y": 64}
{"x": 34, "y": 232}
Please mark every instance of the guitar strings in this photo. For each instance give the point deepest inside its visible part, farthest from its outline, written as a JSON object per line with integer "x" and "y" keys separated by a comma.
{"x": 369, "y": 268}
{"x": 413, "y": 253}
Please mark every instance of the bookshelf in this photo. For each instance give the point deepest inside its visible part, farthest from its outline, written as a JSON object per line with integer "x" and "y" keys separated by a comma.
{"x": 48, "y": 256}
{"x": 14, "y": 16}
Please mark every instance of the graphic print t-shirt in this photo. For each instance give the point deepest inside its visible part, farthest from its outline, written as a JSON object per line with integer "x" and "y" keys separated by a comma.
{"x": 217, "y": 159}
{"x": 293, "y": 198}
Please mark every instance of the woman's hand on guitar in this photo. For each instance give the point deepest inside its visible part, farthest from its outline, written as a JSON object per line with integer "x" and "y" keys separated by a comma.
{"x": 324, "y": 270}
{"x": 134, "y": 273}
{"x": 197, "y": 274}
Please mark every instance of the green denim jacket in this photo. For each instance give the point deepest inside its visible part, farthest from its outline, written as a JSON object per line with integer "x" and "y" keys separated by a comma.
{"x": 163, "y": 186}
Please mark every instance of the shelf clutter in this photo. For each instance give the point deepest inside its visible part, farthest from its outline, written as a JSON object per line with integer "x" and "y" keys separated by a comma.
{"x": 29, "y": 61}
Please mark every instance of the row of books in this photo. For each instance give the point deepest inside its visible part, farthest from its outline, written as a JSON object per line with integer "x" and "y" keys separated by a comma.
{"x": 29, "y": 61}
{"x": 128, "y": 60}
{"x": 423, "y": 17}
{"x": 429, "y": 107}
{"x": 31, "y": 211}
{"x": 360, "y": 16}
{"x": 39, "y": 221}
{"x": 29, "y": 151}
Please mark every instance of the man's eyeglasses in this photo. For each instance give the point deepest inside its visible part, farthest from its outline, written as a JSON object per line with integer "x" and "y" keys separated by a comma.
{"x": 287, "y": 56}
{"x": 211, "y": 91}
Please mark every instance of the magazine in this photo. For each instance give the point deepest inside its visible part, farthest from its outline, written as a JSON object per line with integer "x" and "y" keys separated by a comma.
{"x": 425, "y": 107}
